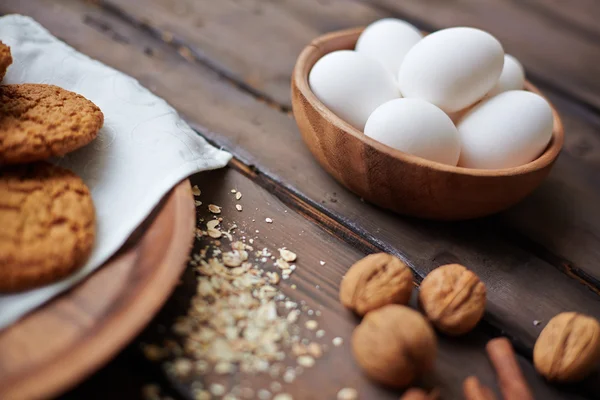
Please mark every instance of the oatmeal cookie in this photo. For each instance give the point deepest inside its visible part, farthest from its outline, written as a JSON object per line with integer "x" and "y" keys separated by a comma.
{"x": 5, "y": 59}
{"x": 47, "y": 225}
{"x": 41, "y": 121}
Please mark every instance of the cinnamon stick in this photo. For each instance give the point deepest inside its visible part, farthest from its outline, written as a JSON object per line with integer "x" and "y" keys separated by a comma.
{"x": 510, "y": 378}
{"x": 474, "y": 390}
{"x": 420, "y": 394}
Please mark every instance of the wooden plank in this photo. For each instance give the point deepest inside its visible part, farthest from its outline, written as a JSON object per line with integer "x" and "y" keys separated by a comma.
{"x": 317, "y": 286}
{"x": 562, "y": 215}
{"x": 576, "y": 15}
{"x": 523, "y": 287}
{"x": 244, "y": 38}
{"x": 570, "y": 258}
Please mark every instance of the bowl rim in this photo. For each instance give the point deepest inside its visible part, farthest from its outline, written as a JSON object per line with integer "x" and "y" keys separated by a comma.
{"x": 300, "y": 80}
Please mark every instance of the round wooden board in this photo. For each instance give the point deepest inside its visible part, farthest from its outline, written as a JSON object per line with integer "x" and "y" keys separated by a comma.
{"x": 61, "y": 343}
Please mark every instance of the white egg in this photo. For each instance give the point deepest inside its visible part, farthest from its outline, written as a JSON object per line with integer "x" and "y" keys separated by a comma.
{"x": 452, "y": 68}
{"x": 416, "y": 127}
{"x": 352, "y": 85}
{"x": 388, "y": 40}
{"x": 507, "y": 130}
{"x": 511, "y": 78}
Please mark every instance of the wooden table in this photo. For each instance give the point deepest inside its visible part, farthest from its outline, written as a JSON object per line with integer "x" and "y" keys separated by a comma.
{"x": 226, "y": 64}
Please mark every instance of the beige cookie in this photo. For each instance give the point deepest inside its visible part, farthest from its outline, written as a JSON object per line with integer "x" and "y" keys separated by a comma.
{"x": 41, "y": 121}
{"x": 47, "y": 225}
{"x": 5, "y": 59}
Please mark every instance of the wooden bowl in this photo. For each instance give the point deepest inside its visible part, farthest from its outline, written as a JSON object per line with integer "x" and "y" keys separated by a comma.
{"x": 398, "y": 181}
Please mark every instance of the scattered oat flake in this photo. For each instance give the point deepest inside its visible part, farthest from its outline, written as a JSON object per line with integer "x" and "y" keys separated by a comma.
{"x": 276, "y": 386}
{"x": 320, "y": 333}
{"x": 293, "y": 316}
{"x": 214, "y": 233}
{"x": 238, "y": 195}
{"x": 182, "y": 367}
{"x": 305, "y": 361}
{"x": 322, "y": 262}
{"x": 217, "y": 389}
{"x": 287, "y": 255}
{"x": 315, "y": 350}
{"x": 202, "y": 395}
{"x": 264, "y": 394}
{"x": 238, "y": 207}
{"x": 536, "y": 322}
{"x": 347, "y": 394}
{"x": 212, "y": 224}
{"x": 234, "y": 258}
{"x": 281, "y": 264}
{"x": 283, "y": 396}
{"x": 293, "y": 286}
{"x": 224, "y": 368}
{"x": 214, "y": 209}
{"x": 289, "y": 376}
{"x": 201, "y": 367}
{"x": 268, "y": 220}
{"x": 251, "y": 241}
{"x": 311, "y": 324}
{"x": 233, "y": 190}
{"x": 198, "y": 203}
{"x": 273, "y": 277}
{"x": 337, "y": 341}
{"x": 196, "y": 190}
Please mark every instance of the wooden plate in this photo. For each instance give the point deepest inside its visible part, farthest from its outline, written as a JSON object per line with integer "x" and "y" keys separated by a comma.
{"x": 63, "y": 342}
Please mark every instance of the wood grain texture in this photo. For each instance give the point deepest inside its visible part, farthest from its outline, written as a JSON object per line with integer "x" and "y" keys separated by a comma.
{"x": 70, "y": 337}
{"x": 523, "y": 287}
{"x": 242, "y": 37}
{"x": 398, "y": 181}
{"x": 579, "y": 16}
{"x": 261, "y": 147}
{"x": 318, "y": 286}
{"x": 562, "y": 217}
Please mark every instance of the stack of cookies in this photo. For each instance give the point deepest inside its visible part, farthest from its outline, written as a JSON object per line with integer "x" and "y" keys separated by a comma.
{"x": 47, "y": 218}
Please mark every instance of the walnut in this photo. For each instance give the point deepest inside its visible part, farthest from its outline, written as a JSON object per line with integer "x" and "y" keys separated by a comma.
{"x": 453, "y": 298}
{"x": 394, "y": 345}
{"x": 568, "y": 348}
{"x": 375, "y": 281}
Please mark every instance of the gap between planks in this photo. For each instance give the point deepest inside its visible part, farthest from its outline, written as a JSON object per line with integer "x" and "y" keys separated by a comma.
{"x": 192, "y": 55}
{"x": 340, "y": 226}
{"x": 347, "y": 224}
{"x": 353, "y": 235}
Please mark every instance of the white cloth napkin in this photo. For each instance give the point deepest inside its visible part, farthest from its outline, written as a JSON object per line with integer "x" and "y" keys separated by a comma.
{"x": 143, "y": 150}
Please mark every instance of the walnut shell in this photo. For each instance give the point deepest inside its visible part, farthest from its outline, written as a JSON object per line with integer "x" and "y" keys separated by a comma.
{"x": 453, "y": 298}
{"x": 394, "y": 345}
{"x": 375, "y": 281}
{"x": 568, "y": 348}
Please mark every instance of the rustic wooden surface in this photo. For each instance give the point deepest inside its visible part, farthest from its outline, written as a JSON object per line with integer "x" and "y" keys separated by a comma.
{"x": 226, "y": 66}
{"x": 61, "y": 343}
